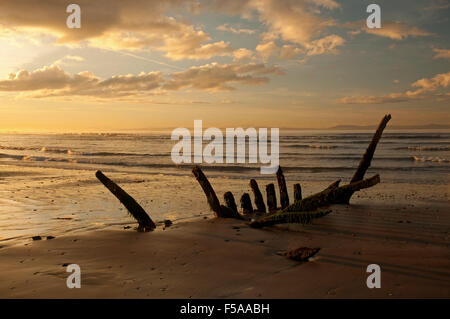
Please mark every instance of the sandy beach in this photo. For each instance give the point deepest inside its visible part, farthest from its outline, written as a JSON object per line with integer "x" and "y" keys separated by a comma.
{"x": 224, "y": 258}
{"x": 194, "y": 149}
{"x": 401, "y": 224}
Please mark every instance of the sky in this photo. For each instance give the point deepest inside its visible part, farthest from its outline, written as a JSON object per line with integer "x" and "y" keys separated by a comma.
{"x": 149, "y": 65}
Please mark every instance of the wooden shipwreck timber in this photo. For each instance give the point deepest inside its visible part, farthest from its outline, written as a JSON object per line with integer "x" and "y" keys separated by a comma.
{"x": 302, "y": 210}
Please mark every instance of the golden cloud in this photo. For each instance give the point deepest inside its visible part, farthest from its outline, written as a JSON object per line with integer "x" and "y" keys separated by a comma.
{"x": 53, "y": 81}
{"x": 266, "y": 49}
{"x": 113, "y": 24}
{"x": 138, "y": 25}
{"x": 236, "y": 30}
{"x": 389, "y": 29}
{"x": 423, "y": 88}
{"x": 220, "y": 77}
{"x": 441, "y": 54}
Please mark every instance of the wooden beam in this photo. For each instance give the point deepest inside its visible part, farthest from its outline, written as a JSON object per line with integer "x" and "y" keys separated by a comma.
{"x": 145, "y": 222}
{"x": 366, "y": 160}
{"x": 284, "y": 197}
{"x": 271, "y": 197}
{"x": 259, "y": 201}
{"x": 246, "y": 204}
{"x": 230, "y": 202}
{"x": 297, "y": 192}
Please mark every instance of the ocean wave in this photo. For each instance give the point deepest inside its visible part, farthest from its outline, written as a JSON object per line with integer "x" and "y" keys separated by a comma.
{"x": 18, "y": 148}
{"x": 68, "y": 151}
{"x": 430, "y": 159}
{"x": 313, "y": 146}
{"x": 428, "y": 148}
{"x": 123, "y": 154}
{"x": 220, "y": 168}
{"x": 314, "y": 157}
{"x": 58, "y": 151}
{"x": 416, "y": 136}
{"x": 367, "y": 136}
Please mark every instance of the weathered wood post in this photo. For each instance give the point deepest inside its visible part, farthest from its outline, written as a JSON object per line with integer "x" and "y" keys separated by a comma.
{"x": 145, "y": 222}
{"x": 364, "y": 164}
{"x": 259, "y": 201}
{"x": 271, "y": 197}
{"x": 246, "y": 204}
{"x": 297, "y": 192}
{"x": 334, "y": 185}
{"x": 230, "y": 202}
{"x": 284, "y": 197}
{"x": 330, "y": 196}
{"x": 213, "y": 201}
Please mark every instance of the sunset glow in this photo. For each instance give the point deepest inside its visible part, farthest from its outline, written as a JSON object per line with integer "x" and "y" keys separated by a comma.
{"x": 145, "y": 65}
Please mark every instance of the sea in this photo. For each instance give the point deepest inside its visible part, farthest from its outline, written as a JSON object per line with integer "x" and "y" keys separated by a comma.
{"x": 71, "y": 199}
{"x": 314, "y": 155}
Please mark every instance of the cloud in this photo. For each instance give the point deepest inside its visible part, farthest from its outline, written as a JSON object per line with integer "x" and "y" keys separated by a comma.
{"x": 289, "y": 51}
{"x": 242, "y": 54}
{"x": 325, "y": 45}
{"x": 190, "y": 46}
{"x": 430, "y": 85}
{"x": 420, "y": 89}
{"x": 146, "y": 25}
{"x": 68, "y": 59}
{"x": 266, "y": 49}
{"x": 441, "y": 54}
{"x": 329, "y": 4}
{"x": 438, "y": 5}
{"x": 389, "y": 29}
{"x": 294, "y": 21}
{"x": 390, "y": 98}
{"x": 236, "y": 30}
{"x": 221, "y": 77}
{"x": 298, "y": 23}
{"x": 53, "y": 81}
{"x": 113, "y": 24}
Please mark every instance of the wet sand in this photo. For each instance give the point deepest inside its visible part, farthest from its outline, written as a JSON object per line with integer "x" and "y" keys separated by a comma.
{"x": 212, "y": 258}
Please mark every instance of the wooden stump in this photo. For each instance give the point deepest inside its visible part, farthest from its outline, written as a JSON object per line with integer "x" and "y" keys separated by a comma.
{"x": 368, "y": 155}
{"x": 230, "y": 202}
{"x": 331, "y": 196}
{"x": 271, "y": 197}
{"x": 246, "y": 204}
{"x": 284, "y": 197}
{"x": 219, "y": 210}
{"x": 211, "y": 196}
{"x": 259, "y": 201}
{"x": 135, "y": 210}
{"x": 297, "y": 192}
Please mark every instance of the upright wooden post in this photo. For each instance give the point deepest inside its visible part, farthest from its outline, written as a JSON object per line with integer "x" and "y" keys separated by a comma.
{"x": 230, "y": 202}
{"x": 271, "y": 197}
{"x": 213, "y": 201}
{"x": 284, "y": 197}
{"x": 297, "y": 192}
{"x": 259, "y": 201}
{"x": 135, "y": 210}
{"x": 364, "y": 164}
{"x": 246, "y": 204}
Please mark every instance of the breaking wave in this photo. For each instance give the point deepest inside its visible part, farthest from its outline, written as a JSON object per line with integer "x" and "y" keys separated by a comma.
{"x": 430, "y": 159}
